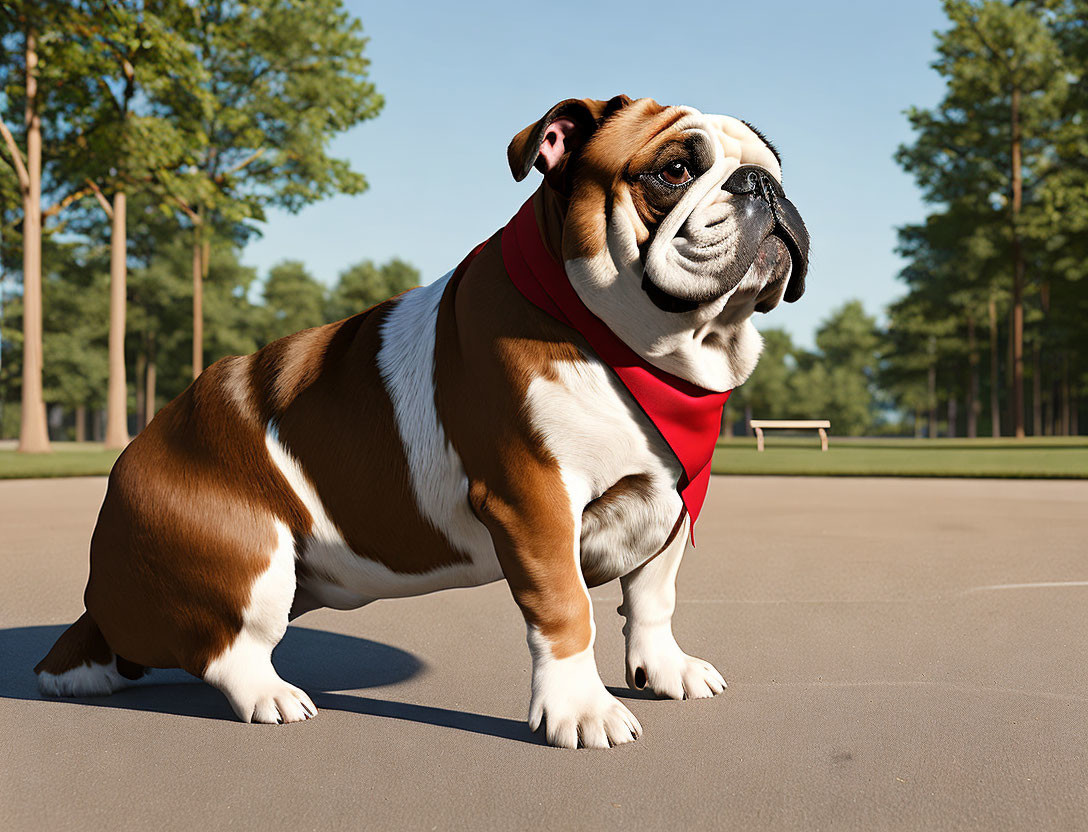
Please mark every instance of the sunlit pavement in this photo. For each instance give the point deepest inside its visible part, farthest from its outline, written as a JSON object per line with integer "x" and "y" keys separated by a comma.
{"x": 902, "y": 654}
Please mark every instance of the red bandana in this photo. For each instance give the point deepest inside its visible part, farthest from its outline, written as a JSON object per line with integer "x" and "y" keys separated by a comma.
{"x": 689, "y": 418}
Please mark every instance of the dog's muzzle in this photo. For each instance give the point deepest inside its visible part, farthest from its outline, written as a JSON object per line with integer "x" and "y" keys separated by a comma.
{"x": 757, "y": 183}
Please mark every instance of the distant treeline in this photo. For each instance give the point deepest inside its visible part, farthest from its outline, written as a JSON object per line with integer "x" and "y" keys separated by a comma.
{"x": 992, "y": 332}
{"x": 241, "y": 314}
{"x": 143, "y": 144}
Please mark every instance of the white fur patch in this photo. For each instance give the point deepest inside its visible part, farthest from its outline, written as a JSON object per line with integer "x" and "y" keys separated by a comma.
{"x": 654, "y": 659}
{"x": 244, "y": 672}
{"x": 406, "y": 362}
{"x": 591, "y": 425}
{"x": 571, "y": 701}
{"x": 86, "y": 680}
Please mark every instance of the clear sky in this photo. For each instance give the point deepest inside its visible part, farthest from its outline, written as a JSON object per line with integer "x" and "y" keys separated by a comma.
{"x": 826, "y": 80}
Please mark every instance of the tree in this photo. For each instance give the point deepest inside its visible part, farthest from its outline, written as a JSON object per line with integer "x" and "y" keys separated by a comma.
{"x": 365, "y": 284}
{"x": 982, "y": 148}
{"x": 293, "y": 300}
{"x": 280, "y": 79}
{"x": 161, "y": 297}
{"x": 78, "y": 81}
{"x": 838, "y": 383}
{"x": 766, "y": 394}
{"x": 25, "y": 19}
{"x": 74, "y": 324}
{"x": 120, "y": 140}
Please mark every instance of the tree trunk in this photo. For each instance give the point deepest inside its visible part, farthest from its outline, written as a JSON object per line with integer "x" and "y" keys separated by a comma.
{"x": 973, "y": 404}
{"x": 917, "y": 423}
{"x": 932, "y": 396}
{"x": 33, "y": 431}
{"x": 81, "y": 423}
{"x": 141, "y": 409}
{"x": 953, "y": 415}
{"x": 117, "y": 393}
{"x": 198, "y": 304}
{"x": 1017, "y": 333}
{"x": 995, "y": 398}
{"x": 1048, "y": 410}
{"x": 747, "y": 419}
{"x": 1066, "y": 409}
{"x": 1036, "y": 390}
{"x": 149, "y": 382}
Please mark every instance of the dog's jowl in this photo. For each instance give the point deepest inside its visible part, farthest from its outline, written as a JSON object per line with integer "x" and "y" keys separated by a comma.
{"x": 544, "y": 414}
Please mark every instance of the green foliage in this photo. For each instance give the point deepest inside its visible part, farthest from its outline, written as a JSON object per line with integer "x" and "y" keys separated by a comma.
{"x": 366, "y": 284}
{"x": 293, "y": 300}
{"x": 767, "y": 392}
{"x": 848, "y": 343}
{"x": 278, "y": 79}
{"x": 836, "y": 382}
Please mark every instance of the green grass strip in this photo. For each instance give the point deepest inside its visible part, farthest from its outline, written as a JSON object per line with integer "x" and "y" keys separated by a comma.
{"x": 1041, "y": 458}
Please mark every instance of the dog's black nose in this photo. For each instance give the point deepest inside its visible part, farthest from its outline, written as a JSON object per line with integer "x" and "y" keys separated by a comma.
{"x": 757, "y": 182}
{"x": 753, "y": 180}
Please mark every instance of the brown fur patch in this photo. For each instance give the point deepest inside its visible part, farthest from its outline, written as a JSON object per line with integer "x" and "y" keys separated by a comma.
{"x": 602, "y": 171}
{"x": 342, "y": 430}
{"x": 79, "y": 645}
{"x": 494, "y": 343}
{"x": 186, "y": 527}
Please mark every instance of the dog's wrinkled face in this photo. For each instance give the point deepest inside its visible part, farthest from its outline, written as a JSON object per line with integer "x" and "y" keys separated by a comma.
{"x": 676, "y": 228}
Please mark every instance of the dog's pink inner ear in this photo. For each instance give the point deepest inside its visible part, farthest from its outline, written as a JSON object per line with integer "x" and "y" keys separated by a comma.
{"x": 557, "y": 141}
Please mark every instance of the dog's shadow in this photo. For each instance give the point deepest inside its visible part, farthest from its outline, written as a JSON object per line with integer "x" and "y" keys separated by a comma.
{"x": 322, "y": 663}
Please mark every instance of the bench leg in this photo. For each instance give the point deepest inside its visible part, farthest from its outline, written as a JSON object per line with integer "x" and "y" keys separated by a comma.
{"x": 823, "y": 439}
{"x": 759, "y": 439}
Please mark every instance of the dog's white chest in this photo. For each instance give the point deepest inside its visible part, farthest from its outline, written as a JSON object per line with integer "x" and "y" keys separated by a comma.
{"x": 618, "y": 470}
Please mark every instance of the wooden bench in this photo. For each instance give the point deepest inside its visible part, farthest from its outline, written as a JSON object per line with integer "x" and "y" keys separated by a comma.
{"x": 760, "y": 425}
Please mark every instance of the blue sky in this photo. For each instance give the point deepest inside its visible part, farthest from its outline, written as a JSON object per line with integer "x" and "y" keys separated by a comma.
{"x": 826, "y": 81}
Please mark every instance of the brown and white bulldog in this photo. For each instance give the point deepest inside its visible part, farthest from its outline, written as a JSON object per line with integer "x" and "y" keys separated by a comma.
{"x": 456, "y": 435}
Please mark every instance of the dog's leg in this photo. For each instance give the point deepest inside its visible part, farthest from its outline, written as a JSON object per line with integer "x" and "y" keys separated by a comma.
{"x": 536, "y": 540}
{"x": 654, "y": 659}
{"x": 244, "y": 672}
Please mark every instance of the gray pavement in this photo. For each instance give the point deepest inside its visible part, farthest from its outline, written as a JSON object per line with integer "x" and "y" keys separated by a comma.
{"x": 902, "y": 654}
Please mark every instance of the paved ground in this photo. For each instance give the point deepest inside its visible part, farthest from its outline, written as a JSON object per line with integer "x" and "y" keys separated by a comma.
{"x": 902, "y": 654}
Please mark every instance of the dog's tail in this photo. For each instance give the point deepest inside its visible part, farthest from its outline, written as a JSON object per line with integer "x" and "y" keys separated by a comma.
{"x": 82, "y": 663}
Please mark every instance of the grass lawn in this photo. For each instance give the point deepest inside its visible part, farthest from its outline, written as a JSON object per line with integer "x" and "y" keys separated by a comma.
{"x": 1045, "y": 457}
{"x": 69, "y": 459}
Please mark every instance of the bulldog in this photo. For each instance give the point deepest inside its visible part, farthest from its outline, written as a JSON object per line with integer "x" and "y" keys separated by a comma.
{"x": 544, "y": 414}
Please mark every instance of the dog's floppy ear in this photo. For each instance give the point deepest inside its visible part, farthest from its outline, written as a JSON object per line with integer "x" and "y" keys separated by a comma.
{"x": 565, "y": 128}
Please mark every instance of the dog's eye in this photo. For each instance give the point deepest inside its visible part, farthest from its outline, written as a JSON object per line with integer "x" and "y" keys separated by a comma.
{"x": 675, "y": 173}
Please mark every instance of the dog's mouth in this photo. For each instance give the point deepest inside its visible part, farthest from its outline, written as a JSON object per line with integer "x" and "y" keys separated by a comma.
{"x": 664, "y": 301}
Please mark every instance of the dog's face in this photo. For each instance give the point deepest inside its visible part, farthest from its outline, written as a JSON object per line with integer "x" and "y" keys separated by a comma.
{"x": 676, "y": 228}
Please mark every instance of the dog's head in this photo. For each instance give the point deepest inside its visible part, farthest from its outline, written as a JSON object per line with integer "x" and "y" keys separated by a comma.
{"x": 674, "y": 228}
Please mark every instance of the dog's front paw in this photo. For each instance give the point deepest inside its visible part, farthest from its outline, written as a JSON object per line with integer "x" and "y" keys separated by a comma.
{"x": 572, "y": 721}
{"x": 571, "y": 702}
{"x": 657, "y": 662}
